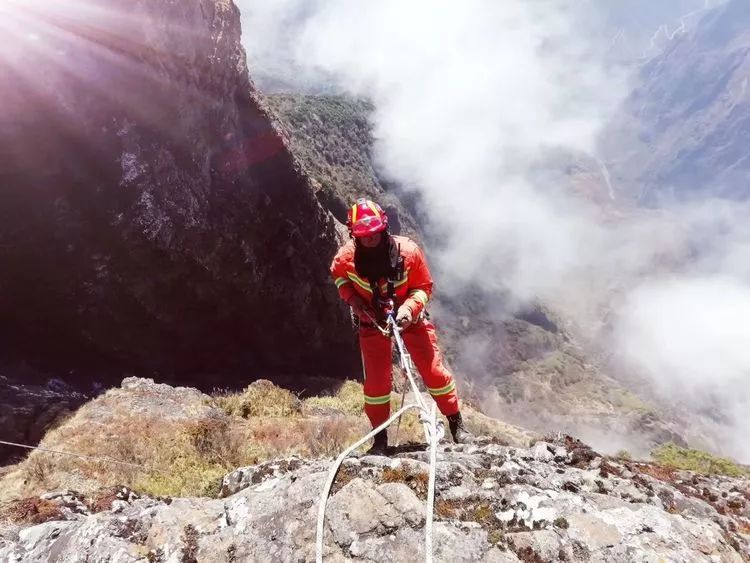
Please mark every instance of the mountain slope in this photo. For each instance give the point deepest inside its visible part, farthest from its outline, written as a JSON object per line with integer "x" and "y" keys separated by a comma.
{"x": 332, "y": 137}
{"x": 686, "y": 128}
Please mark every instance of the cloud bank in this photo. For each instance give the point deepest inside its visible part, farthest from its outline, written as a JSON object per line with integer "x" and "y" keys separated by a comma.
{"x": 471, "y": 99}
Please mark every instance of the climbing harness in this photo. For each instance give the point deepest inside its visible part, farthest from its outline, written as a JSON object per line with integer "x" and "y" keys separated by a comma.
{"x": 433, "y": 429}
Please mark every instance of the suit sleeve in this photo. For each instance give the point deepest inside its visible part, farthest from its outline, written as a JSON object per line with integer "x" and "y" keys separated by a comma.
{"x": 420, "y": 284}
{"x": 344, "y": 286}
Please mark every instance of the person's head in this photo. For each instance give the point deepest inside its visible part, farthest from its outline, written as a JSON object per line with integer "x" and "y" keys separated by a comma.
{"x": 367, "y": 223}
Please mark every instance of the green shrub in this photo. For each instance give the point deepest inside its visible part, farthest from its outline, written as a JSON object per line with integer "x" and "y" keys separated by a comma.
{"x": 672, "y": 455}
{"x": 349, "y": 400}
{"x": 186, "y": 476}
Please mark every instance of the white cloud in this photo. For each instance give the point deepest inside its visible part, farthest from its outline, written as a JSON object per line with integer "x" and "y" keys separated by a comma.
{"x": 469, "y": 96}
{"x": 689, "y": 336}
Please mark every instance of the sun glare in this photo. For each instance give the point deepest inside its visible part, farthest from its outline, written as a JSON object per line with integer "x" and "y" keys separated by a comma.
{"x": 47, "y": 34}
{"x": 34, "y": 21}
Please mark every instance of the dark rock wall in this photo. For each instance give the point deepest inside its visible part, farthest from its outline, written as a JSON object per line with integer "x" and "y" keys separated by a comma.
{"x": 151, "y": 216}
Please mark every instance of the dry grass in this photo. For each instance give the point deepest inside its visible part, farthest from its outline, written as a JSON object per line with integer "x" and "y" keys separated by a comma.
{"x": 185, "y": 459}
{"x": 186, "y": 448}
{"x": 447, "y": 509}
{"x": 39, "y": 468}
{"x": 418, "y": 482}
{"x": 465, "y": 510}
{"x": 666, "y": 474}
{"x": 33, "y": 511}
{"x": 261, "y": 398}
{"x": 330, "y": 438}
{"x": 208, "y": 451}
{"x": 184, "y": 456}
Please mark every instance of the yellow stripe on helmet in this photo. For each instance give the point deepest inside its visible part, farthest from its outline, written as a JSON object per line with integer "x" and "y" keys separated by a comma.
{"x": 374, "y": 208}
{"x": 354, "y": 213}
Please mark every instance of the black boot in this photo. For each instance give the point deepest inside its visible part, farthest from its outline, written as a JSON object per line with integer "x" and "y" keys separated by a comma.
{"x": 458, "y": 430}
{"x": 380, "y": 445}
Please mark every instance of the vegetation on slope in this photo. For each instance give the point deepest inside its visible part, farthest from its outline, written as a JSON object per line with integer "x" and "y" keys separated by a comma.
{"x": 182, "y": 443}
{"x": 672, "y": 455}
{"x": 333, "y": 139}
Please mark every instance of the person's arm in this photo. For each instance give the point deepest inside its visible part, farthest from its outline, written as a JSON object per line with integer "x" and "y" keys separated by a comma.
{"x": 420, "y": 285}
{"x": 346, "y": 289}
{"x": 342, "y": 281}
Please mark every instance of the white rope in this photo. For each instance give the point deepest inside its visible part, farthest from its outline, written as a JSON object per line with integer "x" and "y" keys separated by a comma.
{"x": 431, "y": 487}
{"x": 332, "y": 476}
{"x": 398, "y": 426}
{"x": 60, "y": 452}
{"x": 434, "y": 432}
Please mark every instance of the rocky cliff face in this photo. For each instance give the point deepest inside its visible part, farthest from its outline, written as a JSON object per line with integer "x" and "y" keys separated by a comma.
{"x": 29, "y": 408}
{"x": 151, "y": 215}
{"x": 687, "y": 124}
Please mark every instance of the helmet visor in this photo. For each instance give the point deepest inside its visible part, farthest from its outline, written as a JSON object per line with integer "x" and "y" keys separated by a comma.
{"x": 368, "y": 226}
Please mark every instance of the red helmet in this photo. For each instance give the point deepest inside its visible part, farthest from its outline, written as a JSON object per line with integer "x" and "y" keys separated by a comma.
{"x": 366, "y": 218}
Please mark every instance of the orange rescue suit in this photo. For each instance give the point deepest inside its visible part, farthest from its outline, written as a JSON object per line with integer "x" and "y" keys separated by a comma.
{"x": 414, "y": 290}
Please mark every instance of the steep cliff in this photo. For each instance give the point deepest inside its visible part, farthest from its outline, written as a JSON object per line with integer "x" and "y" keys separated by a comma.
{"x": 333, "y": 138}
{"x": 151, "y": 214}
{"x": 686, "y": 127}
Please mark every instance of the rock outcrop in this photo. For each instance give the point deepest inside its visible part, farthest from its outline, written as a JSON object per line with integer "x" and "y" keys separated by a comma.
{"x": 177, "y": 441}
{"x": 556, "y": 501}
{"x": 28, "y": 409}
{"x": 151, "y": 214}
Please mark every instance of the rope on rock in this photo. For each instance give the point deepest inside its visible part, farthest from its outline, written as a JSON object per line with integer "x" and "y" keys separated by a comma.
{"x": 72, "y": 454}
{"x": 434, "y": 432}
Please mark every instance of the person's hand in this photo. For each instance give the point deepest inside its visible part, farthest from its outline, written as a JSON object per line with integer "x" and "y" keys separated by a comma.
{"x": 361, "y": 308}
{"x": 404, "y": 317}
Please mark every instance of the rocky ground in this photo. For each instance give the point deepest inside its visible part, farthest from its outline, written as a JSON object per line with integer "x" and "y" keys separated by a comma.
{"x": 555, "y": 501}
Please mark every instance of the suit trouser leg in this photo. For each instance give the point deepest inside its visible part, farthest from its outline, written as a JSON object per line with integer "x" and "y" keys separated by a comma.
{"x": 421, "y": 341}
{"x": 377, "y": 361}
